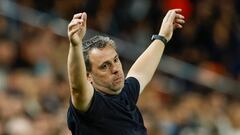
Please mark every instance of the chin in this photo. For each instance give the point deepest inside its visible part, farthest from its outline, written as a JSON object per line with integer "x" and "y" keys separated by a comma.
{"x": 119, "y": 88}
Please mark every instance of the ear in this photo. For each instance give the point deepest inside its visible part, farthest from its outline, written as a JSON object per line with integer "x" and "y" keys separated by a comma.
{"x": 89, "y": 77}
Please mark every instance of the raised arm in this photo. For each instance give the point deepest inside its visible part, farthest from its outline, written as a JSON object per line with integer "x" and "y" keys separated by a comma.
{"x": 81, "y": 90}
{"x": 145, "y": 66}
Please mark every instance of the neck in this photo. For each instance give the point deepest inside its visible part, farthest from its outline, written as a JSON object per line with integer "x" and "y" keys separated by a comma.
{"x": 109, "y": 92}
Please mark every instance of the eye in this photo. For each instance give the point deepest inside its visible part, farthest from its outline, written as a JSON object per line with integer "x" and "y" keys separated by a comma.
{"x": 104, "y": 66}
{"x": 116, "y": 60}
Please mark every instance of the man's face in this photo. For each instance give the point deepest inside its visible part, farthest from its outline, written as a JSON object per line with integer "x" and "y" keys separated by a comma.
{"x": 107, "y": 74}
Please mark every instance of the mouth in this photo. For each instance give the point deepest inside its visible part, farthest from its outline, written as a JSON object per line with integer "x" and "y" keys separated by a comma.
{"x": 118, "y": 79}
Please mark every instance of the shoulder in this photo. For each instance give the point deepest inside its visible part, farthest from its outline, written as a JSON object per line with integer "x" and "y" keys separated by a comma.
{"x": 132, "y": 81}
{"x": 132, "y": 89}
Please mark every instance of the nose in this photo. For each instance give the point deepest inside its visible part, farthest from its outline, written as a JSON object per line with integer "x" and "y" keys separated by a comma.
{"x": 115, "y": 69}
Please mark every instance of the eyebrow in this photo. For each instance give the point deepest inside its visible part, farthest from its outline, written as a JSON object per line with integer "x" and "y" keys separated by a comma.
{"x": 116, "y": 56}
{"x": 108, "y": 62}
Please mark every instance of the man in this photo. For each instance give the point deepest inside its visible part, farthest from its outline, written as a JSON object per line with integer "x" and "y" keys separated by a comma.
{"x": 102, "y": 101}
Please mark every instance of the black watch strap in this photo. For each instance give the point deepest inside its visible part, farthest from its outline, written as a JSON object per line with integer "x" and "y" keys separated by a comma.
{"x": 159, "y": 37}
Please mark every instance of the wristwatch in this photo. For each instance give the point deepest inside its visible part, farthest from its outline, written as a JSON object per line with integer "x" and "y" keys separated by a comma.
{"x": 159, "y": 37}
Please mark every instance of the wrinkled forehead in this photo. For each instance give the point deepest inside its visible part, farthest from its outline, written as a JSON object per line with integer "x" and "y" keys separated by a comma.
{"x": 98, "y": 56}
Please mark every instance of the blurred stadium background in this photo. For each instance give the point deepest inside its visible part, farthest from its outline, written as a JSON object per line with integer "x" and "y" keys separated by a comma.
{"x": 195, "y": 91}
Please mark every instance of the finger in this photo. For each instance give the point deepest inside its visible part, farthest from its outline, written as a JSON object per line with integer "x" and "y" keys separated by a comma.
{"x": 177, "y": 10}
{"x": 75, "y": 22}
{"x": 179, "y": 16}
{"x": 77, "y": 15}
{"x": 72, "y": 24}
{"x": 175, "y": 14}
{"x": 79, "y": 21}
{"x": 180, "y": 21}
{"x": 72, "y": 28}
{"x": 84, "y": 18}
{"x": 72, "y": 32}
{"x": 177, "y": 26}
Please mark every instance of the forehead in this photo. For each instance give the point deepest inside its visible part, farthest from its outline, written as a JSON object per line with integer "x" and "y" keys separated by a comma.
{"x": 99, "y": 55}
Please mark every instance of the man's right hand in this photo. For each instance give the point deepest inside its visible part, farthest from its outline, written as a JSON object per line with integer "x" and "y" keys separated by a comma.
{"x": 77, "y": 28}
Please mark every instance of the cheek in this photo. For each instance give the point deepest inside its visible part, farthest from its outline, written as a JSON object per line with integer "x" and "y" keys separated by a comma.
{"x": 103, "y": 78}
{"x": 121, "y": 67}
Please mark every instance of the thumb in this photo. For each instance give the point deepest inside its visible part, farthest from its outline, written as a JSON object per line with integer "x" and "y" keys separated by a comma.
{"x": 84, "y": 17}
